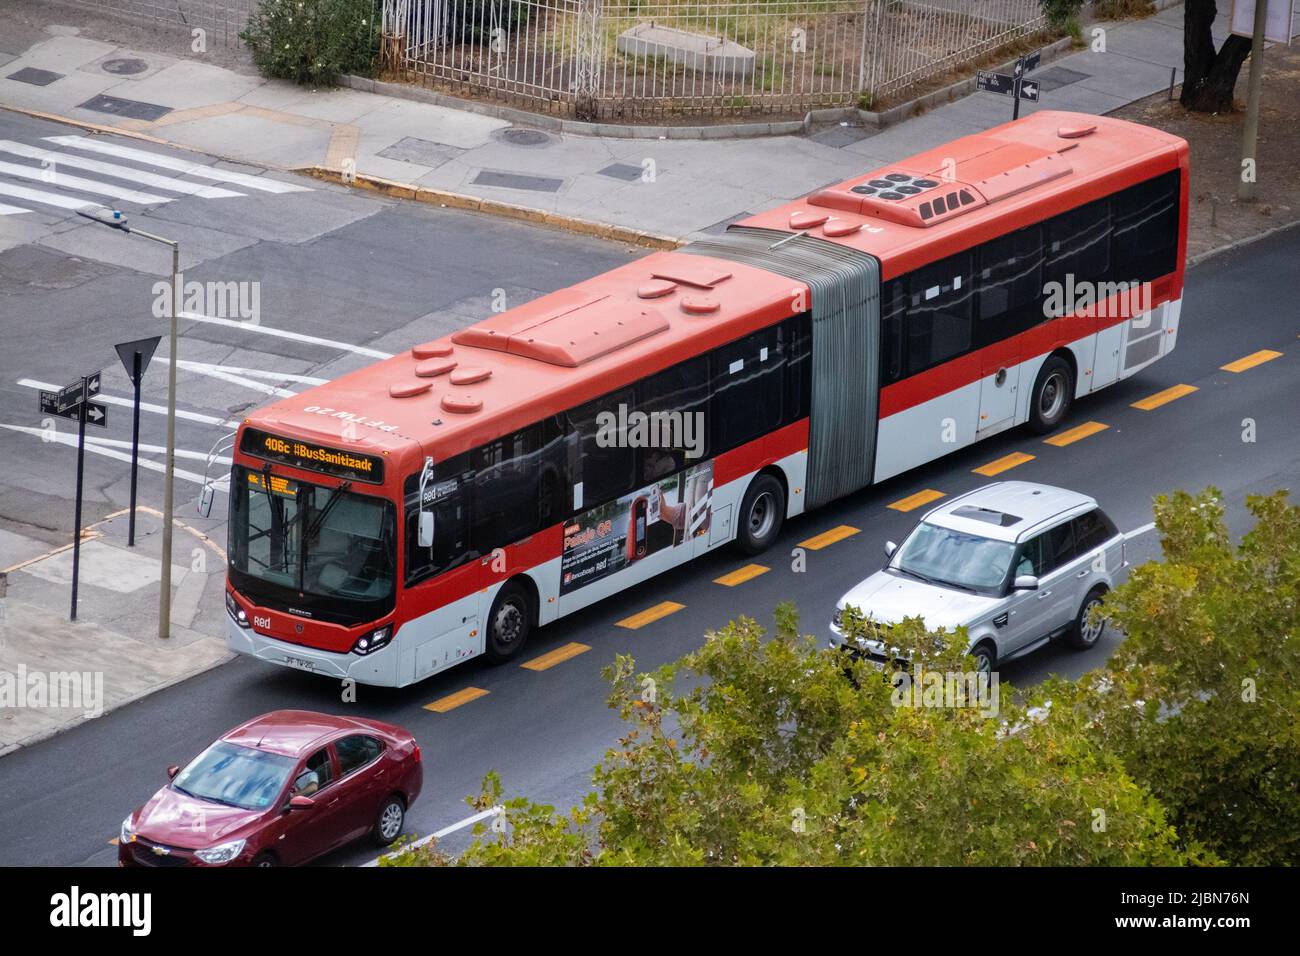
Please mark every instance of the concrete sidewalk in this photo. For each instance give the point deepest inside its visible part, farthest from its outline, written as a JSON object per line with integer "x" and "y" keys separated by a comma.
{"x": 671, "y": 187}
{"x": 55, "y": 673}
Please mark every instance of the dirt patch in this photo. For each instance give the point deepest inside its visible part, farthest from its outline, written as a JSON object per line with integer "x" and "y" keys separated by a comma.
{"x": 1217, "y": 218}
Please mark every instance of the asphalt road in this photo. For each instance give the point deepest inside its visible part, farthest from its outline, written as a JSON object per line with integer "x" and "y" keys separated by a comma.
{"x": 372, "y": 279}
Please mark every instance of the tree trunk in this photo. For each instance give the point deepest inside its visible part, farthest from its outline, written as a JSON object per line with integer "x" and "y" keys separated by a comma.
{"x": 1209, "y": 77}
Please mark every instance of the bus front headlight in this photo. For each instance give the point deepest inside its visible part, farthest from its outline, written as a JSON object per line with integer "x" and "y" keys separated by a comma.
{"x": 373, "y": 640}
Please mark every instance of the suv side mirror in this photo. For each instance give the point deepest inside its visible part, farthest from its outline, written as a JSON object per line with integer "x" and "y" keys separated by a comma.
{"x": 172, "y": 771}
{"x": 1026, "y": 582}
{"x": 890, "y": 548}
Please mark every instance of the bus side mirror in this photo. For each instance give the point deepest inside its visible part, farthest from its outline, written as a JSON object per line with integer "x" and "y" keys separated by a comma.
{"x": 425, "y": 537}
{"x": 205, "y": 501}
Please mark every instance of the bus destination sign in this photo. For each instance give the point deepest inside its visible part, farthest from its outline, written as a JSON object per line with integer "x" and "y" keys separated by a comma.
{"x": 312, "y": 457}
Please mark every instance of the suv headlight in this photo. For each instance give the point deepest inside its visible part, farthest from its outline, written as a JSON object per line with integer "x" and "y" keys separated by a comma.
{"x": 837, "y": 618}
{"x": 373, "y": 640}
{"x": 236, "y": 612}
{"x": 127, "y": 834}
{"x": 222, "y": 852}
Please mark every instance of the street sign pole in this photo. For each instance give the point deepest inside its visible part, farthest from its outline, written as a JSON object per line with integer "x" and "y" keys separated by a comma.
{"x": 81, "y": 464}
{"x": 137, "y": 374}
{"x": 1015, "y": 92}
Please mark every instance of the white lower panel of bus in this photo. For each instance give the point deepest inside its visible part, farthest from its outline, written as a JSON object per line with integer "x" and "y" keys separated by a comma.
{"x": 966, "y": 414}
{"x": 380, "y": 668}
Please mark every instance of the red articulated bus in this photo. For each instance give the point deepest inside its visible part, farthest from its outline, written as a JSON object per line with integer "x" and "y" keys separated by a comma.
{"x": 445, "y": 502}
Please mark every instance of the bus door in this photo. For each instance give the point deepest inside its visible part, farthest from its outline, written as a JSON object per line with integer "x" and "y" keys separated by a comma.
{"x": 1009, "y": 269}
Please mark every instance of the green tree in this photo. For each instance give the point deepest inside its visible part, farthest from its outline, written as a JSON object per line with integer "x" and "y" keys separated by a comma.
{"x": 1202, "y": 699}
{"x": 757, "y": 750}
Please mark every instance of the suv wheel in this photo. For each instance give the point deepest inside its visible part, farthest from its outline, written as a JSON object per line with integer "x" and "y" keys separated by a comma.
{"x": 1085, "y": 632}
{"x": 986, "y": 658}
{"x": 1052, "y": 396}
{"x": 761, "y": 515}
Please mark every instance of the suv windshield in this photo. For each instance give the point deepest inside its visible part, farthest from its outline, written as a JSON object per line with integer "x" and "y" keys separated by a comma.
{"x": 954, "y": 558}
{"x": 236, "y": 776}
{"x": 305, "y": 544}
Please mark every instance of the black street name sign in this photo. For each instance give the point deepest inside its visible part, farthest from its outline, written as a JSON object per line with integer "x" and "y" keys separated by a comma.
{"x": 96, "y": 412}
{"x": 70, "y": 396}
{"x": 991, "y": 82}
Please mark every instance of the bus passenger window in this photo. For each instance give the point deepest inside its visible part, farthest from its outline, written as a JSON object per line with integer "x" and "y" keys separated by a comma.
{"x": 603, "y": 463}
{"x": 1145, "y": 243}
{"x": 1010, "y": 284}
{"x": 677, "y": 398}
{"x": 939, "y": 312}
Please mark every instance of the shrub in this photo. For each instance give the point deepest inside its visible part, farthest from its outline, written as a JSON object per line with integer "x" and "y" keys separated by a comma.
{"x": 313, "y": 41}
{"x": 1059, "y": 13}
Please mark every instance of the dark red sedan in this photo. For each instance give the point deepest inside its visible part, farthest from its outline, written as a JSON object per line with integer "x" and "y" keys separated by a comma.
{"x": 281, "y": 789}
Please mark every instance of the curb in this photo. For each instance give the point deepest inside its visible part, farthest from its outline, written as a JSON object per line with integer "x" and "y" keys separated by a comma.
{"x": 1238, "y": 243}
{"x": 114, "y": 131}
{"x": 572, "y": 224}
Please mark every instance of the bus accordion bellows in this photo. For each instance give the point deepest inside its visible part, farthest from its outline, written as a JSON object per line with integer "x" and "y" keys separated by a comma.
{"x": 447, "y": 501}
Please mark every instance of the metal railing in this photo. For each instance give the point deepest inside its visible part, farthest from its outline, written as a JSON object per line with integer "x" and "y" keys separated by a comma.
{"x": 633, "y": 60}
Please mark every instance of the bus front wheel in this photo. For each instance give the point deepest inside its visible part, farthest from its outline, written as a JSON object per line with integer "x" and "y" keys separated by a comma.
{"x": 508, "y": 624}
{"x": 762, "y": 513}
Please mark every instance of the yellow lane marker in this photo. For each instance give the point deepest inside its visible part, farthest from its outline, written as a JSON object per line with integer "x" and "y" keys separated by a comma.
{"x": 1072, "y": 435}
{"x": 113, "y": 842}
{"x": 1165, "y": 397}
{"x": 557, "y": 656}
{"x": 650, "y": 615}
{"x": 1005, "y": 463}
{"x": 741, "y": 575}
{"x": 912, "y": 502}
{"x": 452, "y": 701}
{"x": 826, "y": 538}
{"x": 1250, "y": 361}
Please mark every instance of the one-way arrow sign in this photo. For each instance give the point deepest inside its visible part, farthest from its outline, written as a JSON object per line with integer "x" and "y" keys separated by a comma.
{"x": 97, "y": 414}
{"x": 1029, "y": 90}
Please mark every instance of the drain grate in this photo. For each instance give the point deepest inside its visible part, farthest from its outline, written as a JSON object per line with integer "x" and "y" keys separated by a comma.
{"x": 131, "y": 109}
{"x": 540, "y": 184}
{"x": 29, "y": 74}
{"x": 1059, "y": 76}
{"x": 519, "y": 136}
{"x": 624, "y": 171}
{"x": 124, "y": 66}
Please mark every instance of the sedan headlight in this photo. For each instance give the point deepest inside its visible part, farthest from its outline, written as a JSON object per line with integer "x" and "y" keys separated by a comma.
{"x": 373, "y": 640}
{"x": 221, "y": 853}
{"x": 127, "y": 834}
{"x": 236, "y": 612}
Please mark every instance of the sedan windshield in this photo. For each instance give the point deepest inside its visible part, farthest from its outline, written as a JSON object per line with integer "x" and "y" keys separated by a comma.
{"x": 236, "y": 776}
{"x": 954, "y": 558}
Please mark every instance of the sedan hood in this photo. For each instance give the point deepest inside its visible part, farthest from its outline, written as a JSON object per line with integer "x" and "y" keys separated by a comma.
{"x": 172, "y": 818}
{"x": 888, "y": 598}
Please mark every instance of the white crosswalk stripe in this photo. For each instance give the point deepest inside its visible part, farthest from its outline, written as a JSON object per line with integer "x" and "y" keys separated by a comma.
{"x": 94, "y": 145}
{"x": 43, "y": 197}
{"x": 11, "y": 210}
{"x": 169, "y": 183}
{"x": 64, "y": 181}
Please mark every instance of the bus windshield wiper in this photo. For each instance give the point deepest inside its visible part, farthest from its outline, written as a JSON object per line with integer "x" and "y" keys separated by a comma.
{"x": 319, "y": 520}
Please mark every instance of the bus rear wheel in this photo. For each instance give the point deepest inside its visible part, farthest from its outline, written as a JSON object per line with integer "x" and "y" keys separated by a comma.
{"x": 508, "y": 624}
{"x": 762, "y": 513}
{"x": 1052, "y": 396}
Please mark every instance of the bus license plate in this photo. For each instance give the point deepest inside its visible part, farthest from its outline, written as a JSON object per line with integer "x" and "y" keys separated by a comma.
{"x": 299, "y": 663}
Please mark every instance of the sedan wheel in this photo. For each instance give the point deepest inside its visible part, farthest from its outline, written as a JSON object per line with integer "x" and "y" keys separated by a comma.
{"x": 388, "y": 826}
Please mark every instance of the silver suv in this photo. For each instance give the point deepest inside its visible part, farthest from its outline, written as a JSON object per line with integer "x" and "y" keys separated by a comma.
{"x": 1016, "y": 563}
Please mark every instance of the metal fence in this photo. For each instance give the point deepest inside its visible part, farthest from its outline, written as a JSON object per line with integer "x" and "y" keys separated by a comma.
{"x": 221, "y": 20}
{"x": 643, "y": 59}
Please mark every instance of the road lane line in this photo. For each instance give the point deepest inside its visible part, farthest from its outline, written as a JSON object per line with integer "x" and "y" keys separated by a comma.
{"x": 1251, "y": 360}
{"x": 185, "y": 167}
{"x": 11, "y": 210}
{"x": 741, "y": 575}
{"x": 1072, "y": 435}
{"x": 650, "y": 615}
{"x": 445, "y": 831}
{"x": 144, "y": 406}
{"x": 71, "y": 441}
{"x": 44, "y": 198}
{"x": 452, "y": 701}
{"x": 557, "y": 656}
{"x": 827, "y": 538}
{"x": 92, "y": 186}
{"x": 285, "y": 334}
{"x": 1005, "y": 463}
{"x": 58, "y": 157}
{"x": 912, "y": 502}
{"x": 1136, "y": 532}
{"x": 254, "y": 372}
{"x": 1163, "y": 398}
{"x": 213, "y": 371}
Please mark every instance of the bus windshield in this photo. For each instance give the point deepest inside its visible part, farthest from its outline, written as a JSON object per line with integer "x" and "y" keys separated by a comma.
{"x": 323, "y": 547}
